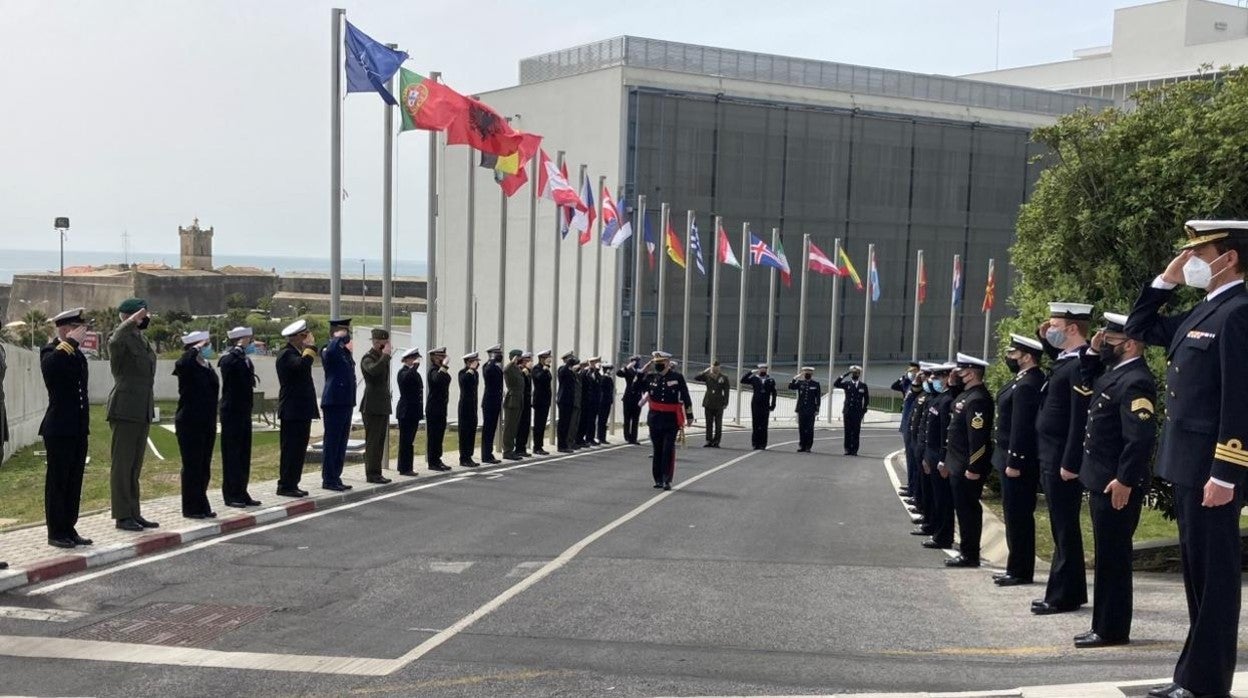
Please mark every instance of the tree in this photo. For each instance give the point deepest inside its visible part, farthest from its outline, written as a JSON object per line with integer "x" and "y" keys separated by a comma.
{"x": 1108, "y": 210}
{"x": 236, "y": 300}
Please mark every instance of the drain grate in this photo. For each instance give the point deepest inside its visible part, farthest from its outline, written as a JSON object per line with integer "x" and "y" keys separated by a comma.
{"x": 173, "y": 624}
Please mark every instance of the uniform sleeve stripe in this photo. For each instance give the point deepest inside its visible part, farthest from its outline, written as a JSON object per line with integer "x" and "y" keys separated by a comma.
{"x": 1236, "y": 457}
{"x": 1081, "y": 390}
{"x": 978, "y": 454}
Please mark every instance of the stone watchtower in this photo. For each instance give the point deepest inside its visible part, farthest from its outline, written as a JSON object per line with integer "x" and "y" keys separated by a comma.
{"x": 196, "y": 247}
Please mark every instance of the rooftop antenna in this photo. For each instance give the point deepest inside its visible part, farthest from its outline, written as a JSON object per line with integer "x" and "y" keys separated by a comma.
{"x": 125, "y": 246}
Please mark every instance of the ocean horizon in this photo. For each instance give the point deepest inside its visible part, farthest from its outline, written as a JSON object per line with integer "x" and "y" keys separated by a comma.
{"x": 15, "y": 261}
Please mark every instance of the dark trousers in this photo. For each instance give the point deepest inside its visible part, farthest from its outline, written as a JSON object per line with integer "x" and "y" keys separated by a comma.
{"x": 129, "y": 445}
{"x": 589, "y": 424}
{"x": 1210, "y": 548}
{"x": 62, "y": 489}
{"x": 853, "y": 429}
{"x": 714, "y": 424}
{"x": 235, "y": 457}
{"x": 1112, "y": 530}
{"x": 294, "y": 445}
{"x": 663, "y": 451}
{"x": 760, "y": 415}
{"x": 489, "y": 429}
{"x": 407, "y": 444}
{"x": 541, "y": 414}
{"x": 195, "y": 444}
{"x": 337, "y": 421}
{"x": 570, "y": 425}
{"x": 969, "y": 512}
{"x": 923, "y": 496}
{"x": 806, "y": 429}
{"x": 912, "y": 466}
{"x": 1018, "y": 499}
{"x": 523, "y": 429}
{"x": 940, "y": 519}
{"x": 1068, "y": 584}
{"x": 467, "y": 435}
{"x": 632, "y": 418}
{"x": 376, "y": 428}
{"x": 604, "y": 415}
{"x": 435, "y": 432}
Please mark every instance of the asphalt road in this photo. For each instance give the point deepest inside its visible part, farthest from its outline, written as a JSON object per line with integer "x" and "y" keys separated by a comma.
{"x": 773, "y": 573}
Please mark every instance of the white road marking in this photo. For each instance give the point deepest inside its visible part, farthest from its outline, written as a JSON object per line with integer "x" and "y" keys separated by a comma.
{"x": 49, "y": 615}
{"x": 892, "y": 475}
{"x": 524, "y": 568}
{"x": 153, "y": 447}
{"x": 493, "y": 477}
{"x": 450, "y": 567}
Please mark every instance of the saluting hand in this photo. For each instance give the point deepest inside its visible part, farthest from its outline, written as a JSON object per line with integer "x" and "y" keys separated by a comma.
{"x": 1216, "y": 495}
{"x": 1174, "y": 270}
{"x": 387, "y": 348}
{"x": 1118, "y": 494}
{"x": 1097, "y": 340}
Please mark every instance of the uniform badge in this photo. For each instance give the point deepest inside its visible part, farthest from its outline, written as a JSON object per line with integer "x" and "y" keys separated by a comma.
{"x": 1200, "y": 334}
{"x": 1142, "y": 403}
{"x": 977, "y": 422}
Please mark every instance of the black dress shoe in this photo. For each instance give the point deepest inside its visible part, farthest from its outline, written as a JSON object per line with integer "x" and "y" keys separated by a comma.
{"x": 921, "y": 532}
{"x": 1048, "y": 609}
{"x": 4, "y": 565}
{"x": 999, "y": 575}
{"x": 145, "y": 523}
{"x": 524, "y": 454}
{"x": 194, "y": 516}
{"x": 379, "y": 481}
{"x": 1162, "y": 691}
{"x": 61, "y": 542}
{"x": 129, "y": 525}
{"x": 469, "y": 463}
{"x": 509, "y": 456}
{"x": 492, "y": 460}
{"x": 658, "y": 485}
{"x": 903, "y": 492}
{"x": 79, "y": 540}
{"x": 667, "y": 486}
{"x": 565, "y": 450}
{"x": 289, "y": 493}
{"x": 708, "y": 444}
{"x": 1009, "y": 581}
{"x": 960, "y": 561}
{"x": 334, "y": 487}
{"x": 541, "y": 452}
{"x": 1091, "y": 640}
{"x": 235, "y": 504}
{"x": 933, "y": 545}
{"x": 408, "y": 473}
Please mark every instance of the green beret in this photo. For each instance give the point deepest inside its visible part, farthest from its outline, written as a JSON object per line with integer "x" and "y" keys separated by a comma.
{"x": 379, "y": 333}
{"x": 131, "y": 305}
{"x": 514, "y": 353}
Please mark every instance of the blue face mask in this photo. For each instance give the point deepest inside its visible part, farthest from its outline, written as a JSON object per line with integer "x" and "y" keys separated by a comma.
{"x": 938, "y": 385}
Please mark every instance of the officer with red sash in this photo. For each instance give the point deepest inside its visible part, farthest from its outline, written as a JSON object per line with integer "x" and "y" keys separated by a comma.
{"x": 670, "y": 409}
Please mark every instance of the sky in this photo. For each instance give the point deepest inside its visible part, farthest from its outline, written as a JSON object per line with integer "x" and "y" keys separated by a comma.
{"x": 137, "y": 116}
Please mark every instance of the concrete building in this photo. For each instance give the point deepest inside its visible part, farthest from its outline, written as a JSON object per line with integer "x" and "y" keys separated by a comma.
{"x": 1152, "y": 45}
{"x": 196, "y": 245}
{"x": 903, "y": 160}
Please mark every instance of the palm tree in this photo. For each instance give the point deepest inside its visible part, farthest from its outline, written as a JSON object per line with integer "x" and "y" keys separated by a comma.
{"x": 36, "y": 332}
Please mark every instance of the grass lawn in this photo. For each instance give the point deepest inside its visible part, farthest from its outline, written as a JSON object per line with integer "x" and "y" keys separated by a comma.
{"x": 1153, "y": 526}
{"x": 22, "y": 476}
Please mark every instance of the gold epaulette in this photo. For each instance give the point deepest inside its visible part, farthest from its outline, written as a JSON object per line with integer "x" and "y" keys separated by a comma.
{"x": 66, "y": 347}
{"x": 310, "y": 353}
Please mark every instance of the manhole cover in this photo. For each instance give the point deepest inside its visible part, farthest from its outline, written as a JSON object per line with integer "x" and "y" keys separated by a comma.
{"x": 177, "y": 625}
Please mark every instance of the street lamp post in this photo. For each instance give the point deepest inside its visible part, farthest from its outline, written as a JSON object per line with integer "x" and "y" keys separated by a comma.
{"x": 363, "y": 288}
{"x": 62, "y": 226}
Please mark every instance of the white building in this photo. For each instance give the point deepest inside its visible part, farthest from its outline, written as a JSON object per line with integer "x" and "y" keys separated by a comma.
{"x": 1153, "y": 44}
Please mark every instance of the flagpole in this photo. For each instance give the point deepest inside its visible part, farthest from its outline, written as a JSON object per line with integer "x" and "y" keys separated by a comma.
{"x": 554, "y": 300}
{"x": 866, "y": 322}
{"x": 638, "y": 244}
{"x": 771, "y": 304}
{"x": 801, "y": 304}
{"x": 602, "y": 183}
{"x": 335, "y": 162}
{"x": 431, "y": 254}
{"x": 576, "y": 302}
{"x": 718, "y": 221}
{"x": 528, "y": 335}
{"x": 469, "y": 250}
{"x": 661, "y": 311}
{"x": 502, "y": 264}
{"x": 918, "y": 281}
{"x": 684, "y": 336}
{"x": 836, "y": 294}
{"x": 953, "y": 304}
{"x": 988, "y": 312}
{"x": 387, "y": 220}
{"x": 745, "y": 252}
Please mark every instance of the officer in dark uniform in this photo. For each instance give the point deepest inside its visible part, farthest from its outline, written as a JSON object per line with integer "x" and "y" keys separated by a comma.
{"x": 1060, "y": 426}
{"x": 631, "y": 373}
{"x": 491, "y": 402}
{"x": 565, "y": 434}
{"x": 196, "y": 424}
{"x": 606, "y": 398}
{"x": 670, "y": 409}
{"x": 808, "y": 394}
{"x": 854, "y": 408}
{"x": 1117, "y": 450}
{"x": 916, "y": 439}
{"x": 589, "y": 402}
{"x": 1014, "y": 457}
{"x": 296, "y": 404}
{"x": 761, "y": 404}
{"x": 526, "y": 407}
{"x": 337, "y": 402}
{"x": 902, "y": 385}
{"x": 65, "y": 427}
{"x": 939, "y": 407}
{"x": 513, "y": 403}
{"x": 469, "y": 380}
{"x": 968, "y": 456}
{"x": 410, "y": 410}
{"x": 714, "y": 402}
{"x": 238, "y": 384}
{"x": 436, "y": 406}
{"x": 1202, "y": 441}
{"x": 542, "y": 398}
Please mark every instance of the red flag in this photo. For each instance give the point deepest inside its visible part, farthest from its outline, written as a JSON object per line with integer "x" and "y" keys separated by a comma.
{"x": 530, "y": 143}
{"x": 820, "y": 263}
{"x": 922, "y": 282}
{"x": 484, "y": 129}
{"x": 990, "y": 292}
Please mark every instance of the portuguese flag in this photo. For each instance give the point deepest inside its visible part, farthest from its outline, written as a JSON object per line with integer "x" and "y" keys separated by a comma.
{"x": 428, "y": 104}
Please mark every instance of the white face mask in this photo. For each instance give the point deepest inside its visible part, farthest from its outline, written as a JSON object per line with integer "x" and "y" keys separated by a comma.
{"x": 1198, "y": 273}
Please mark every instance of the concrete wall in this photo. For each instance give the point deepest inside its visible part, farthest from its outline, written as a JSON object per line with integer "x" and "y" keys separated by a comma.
{"x": 6, "y": 291}
{"x": 44, "y": 292}
{"x": 25, "y": 398}
{"x": 411, "y": 286}
{"x": 201, "y": 294}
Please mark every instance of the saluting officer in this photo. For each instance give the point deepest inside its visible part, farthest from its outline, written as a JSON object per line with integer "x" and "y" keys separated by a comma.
{"x": 1117, "y": 450}
{"x": 854, "y": 408}
{"x": 410, "y": 411}
{"x": 939, "y": 407}
{"x": 902, "y": 385}
{"x": 761, "y": 403}
{"x": 1202, "y": 441}
{"x": 337, "y": 401}
{"x": 196, "y": 423}
{"x": 589, "y": 402}
{"x": 541, "y": 401}
{"x": 916, "y": 436}
{"x": 968, "y": 456}
{"x": 631, "y": 373}
{"x": 713, "y": 402}
{"x": 807, "y": 407}
{"x": 436, "y": 407}
{"x": 569, "y": 397}
{"x": 526, "y": 407}
{"x": 1060, "y": 426}
{"x": 238, "y": 384}
{"x": 492, "y": 403}
{"x": 606, "y": 398}
{"x": 131, "y": 406}
{"x": 65, "y": 427}
{"x": 513, "y": 403}
{"x": 296, "y": 405}
{"x": 1018, "y": 402}
{"x": 375, "y": 405}
{"x": 670, "y": 409}
{"x": 469, "y": 380}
